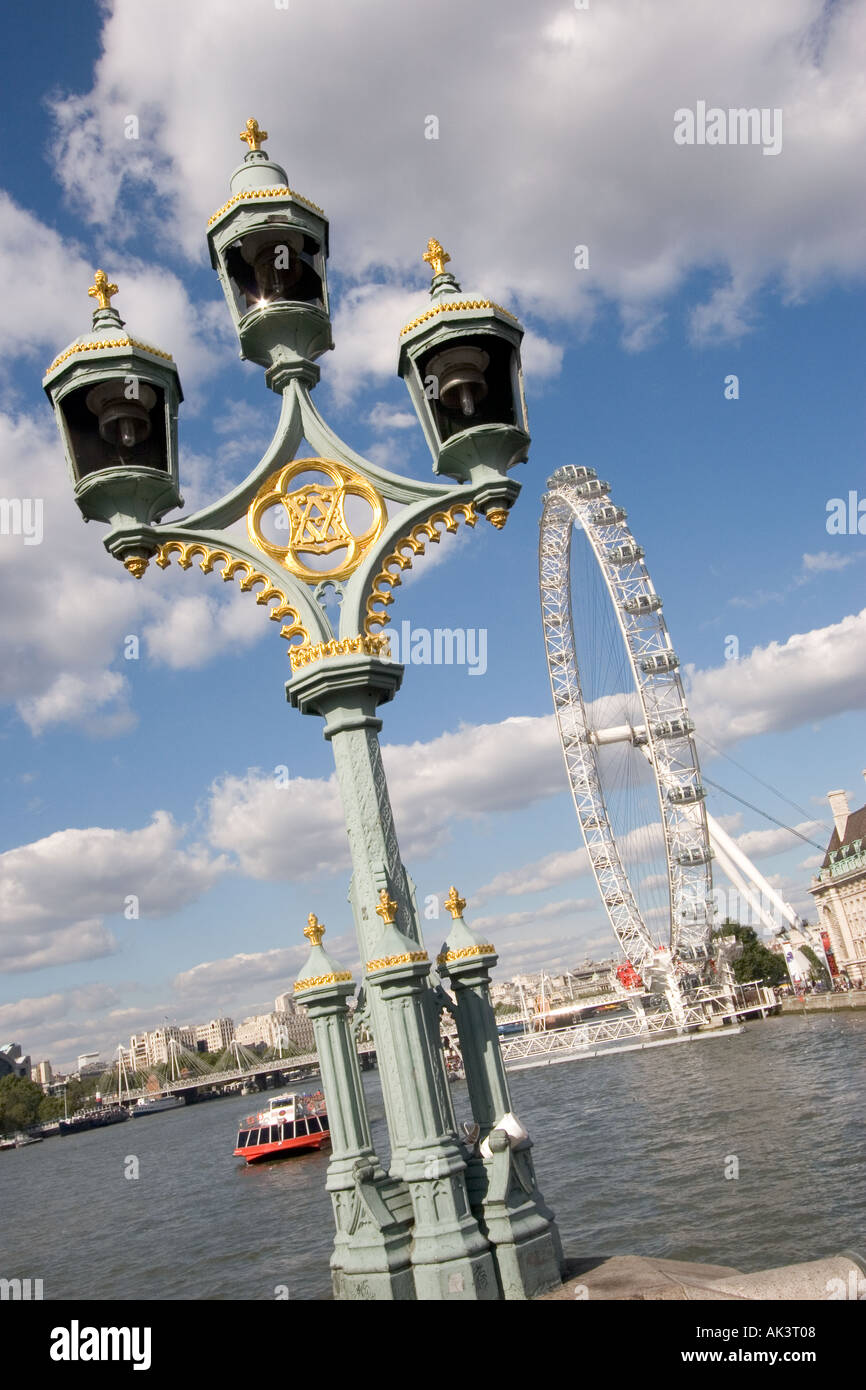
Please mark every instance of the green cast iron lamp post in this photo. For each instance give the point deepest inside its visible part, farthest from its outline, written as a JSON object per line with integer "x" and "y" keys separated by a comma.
{"x": 455, "y": 1217}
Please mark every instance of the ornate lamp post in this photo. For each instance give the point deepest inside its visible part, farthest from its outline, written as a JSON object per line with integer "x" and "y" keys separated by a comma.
{"x": 446, "y": 1221}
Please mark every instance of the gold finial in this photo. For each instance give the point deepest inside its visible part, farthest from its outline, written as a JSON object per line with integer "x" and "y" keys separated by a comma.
{"x": 101, "y": 290}
{"x": 136, "y": 564}
{"x": 387, "y": 908}
{"x": 253, "y": 134}
{"x": 435, "y": 256}
{"x": 314, "y": 930}
{"x": 497, "y": 516}
{"x": 454, "y": 903}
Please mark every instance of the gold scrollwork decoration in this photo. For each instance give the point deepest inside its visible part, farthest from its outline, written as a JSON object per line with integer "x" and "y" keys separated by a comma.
{"x": 314, "y": 981}
{"x": 248, "y": 194}
{"x": 408, "y": 957}
{"x": 316, "y": 513}
{"x": 98, "y": 344}
{"x": 346, "y": 646}
{"x": 448, "y": 305}
{"x": 396, "y": 561}
{"x": 465, "y": 952}
{"x": 232, "y": 568}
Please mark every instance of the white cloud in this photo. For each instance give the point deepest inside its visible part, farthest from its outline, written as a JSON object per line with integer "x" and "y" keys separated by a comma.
{"x": 559, "y": 867}
{"x": 385, "y": 417}
{"x": 25, "y": 1013}
{"x": 73, "y": 697}
{"x": 811, "y": 676}
{"x": 725, "y": 315}
{"x": 564, "y": 912}
{"x": 47, "y": 945}
{"x": 254, "y": 817}
{"x": 554, "y": 953}
{"x": 541, "y": 358}
{"x": 827, "y": 560}
{"x": 761, "y": 844}
{"x": 190, "y": 629}
{"x": 152, "y": 301}
{"x": 367, "y": 325}
{"x": 52, "y": 1009}
{"x": 68, "y": 607}
{"x": 510, "y": 200}
{"x": 494, "y": 767}
{"x": 79, "y": 876}
{"x": 246, "y": 971}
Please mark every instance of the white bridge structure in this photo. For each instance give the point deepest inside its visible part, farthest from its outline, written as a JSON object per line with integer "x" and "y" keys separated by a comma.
{"x": 182, "y": 1074}
{"x": 605, "y": 619}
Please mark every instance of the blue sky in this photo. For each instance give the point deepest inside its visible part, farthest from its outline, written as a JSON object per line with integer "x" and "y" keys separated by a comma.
{"x": 155, "y": 777}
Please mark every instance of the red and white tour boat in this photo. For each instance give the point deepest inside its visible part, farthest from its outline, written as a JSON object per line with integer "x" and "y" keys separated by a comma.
{"x": 290, "y": 1124}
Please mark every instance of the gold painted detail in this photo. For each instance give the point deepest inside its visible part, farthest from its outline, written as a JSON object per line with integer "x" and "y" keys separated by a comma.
{"x": 314, "y": 930}
{"x": 136, "y": 564}
{"x": 346, "y": 646}
{"x": 232, "y": 567}
{"x": 101, "y": 290}
{"x": 387, "y": 908}
{"x": 388, "y": 578}
{"x": 249, "y": 193}
{"x": 436, "y": 256}
{"x": 314, "y": 981}
{"x": 465, "y": 952}
{"x": 454, "y": 903}
{"x": 316, "y": 514}
{"x": 98, "y": 344}
{"x": 408, "y": 958}
{"x": 497, "y": 516}
{"x": 449, "y": 304}
{"x": 253, "y": 134}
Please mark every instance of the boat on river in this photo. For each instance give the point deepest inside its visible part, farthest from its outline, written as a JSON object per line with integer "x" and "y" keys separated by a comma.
{"x": 152, "y": 1105}
{"x": 291, "y": 1123}
{"x": 93, "y": 1119}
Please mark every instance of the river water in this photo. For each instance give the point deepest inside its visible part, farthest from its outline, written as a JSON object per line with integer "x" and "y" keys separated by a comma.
{"x": 631, "y": 1153}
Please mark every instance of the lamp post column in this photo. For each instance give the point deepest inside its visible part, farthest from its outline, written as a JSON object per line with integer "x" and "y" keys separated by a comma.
{"x": 502, "y": 1183}
{"x": 450, "y": 1255}
{"x": 371, "y": 1257}
{"x": 346, "y": 692}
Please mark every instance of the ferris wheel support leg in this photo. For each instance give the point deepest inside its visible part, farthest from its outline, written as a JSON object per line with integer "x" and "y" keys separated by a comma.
{"x": 674, "y": 997}
{"x": 731, "y": 851}
{"x": 638, "y": 1009}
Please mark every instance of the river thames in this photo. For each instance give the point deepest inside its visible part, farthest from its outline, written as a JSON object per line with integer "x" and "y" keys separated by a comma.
{"x": 631, "y": 1153}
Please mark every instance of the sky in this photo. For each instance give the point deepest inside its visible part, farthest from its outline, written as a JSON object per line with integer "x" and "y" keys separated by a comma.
{"x": 554, "y": 129}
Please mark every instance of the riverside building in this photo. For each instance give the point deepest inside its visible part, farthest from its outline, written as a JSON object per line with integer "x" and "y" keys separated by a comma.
{"x": 839, "y": 889}
{"x": 277, "y": 1029}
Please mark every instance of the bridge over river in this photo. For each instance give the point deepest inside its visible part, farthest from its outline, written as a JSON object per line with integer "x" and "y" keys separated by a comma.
{"x": 284, "y": 1068}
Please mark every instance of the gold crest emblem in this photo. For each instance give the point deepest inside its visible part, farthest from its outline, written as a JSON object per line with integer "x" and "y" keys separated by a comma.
{"x": 316, "y": 518}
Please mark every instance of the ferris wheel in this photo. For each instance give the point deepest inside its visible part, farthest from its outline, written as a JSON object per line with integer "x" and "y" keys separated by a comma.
{"x": 624, "y": 726}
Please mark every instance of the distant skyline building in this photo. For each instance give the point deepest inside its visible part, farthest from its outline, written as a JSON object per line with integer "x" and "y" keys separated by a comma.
{"x": 215, "y": 1035}
{"x": 152, "y": 1048}
{"x": 279, "y": 1027}
{"x": 839, "y": 888}
{"x": 12, "y": 1062}
{"x": 43, "y": 1073}
{"x": 90, "y": 1064}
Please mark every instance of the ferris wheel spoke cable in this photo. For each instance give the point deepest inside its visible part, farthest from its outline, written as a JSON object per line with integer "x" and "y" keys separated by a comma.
{"x": 743, "y": 802}
{"x": 775, "y": 790}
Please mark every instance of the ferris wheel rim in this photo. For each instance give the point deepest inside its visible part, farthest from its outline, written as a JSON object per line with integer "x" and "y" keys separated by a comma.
{"x": 576, "y": 499}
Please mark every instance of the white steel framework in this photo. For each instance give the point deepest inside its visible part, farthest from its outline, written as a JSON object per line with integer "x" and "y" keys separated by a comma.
{"x": 577, "y": 498}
